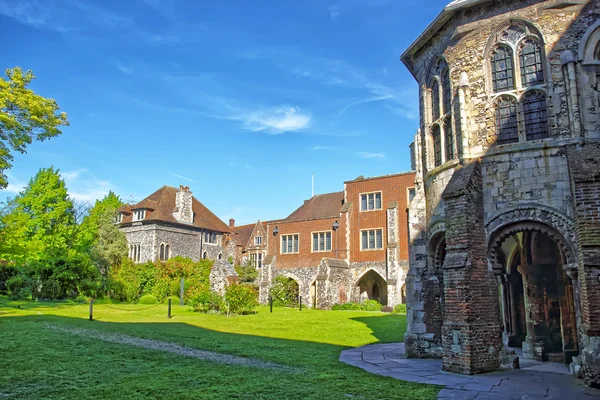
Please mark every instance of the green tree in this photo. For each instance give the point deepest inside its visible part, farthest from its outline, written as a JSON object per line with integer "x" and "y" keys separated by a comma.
{"x": 110, "y": 244}
{"x": 38, "y": 223}
{"x": 101, "y": 214}
{"x": 24, "y": 116}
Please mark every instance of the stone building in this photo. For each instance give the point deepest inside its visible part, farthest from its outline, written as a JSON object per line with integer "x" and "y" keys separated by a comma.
{"x": 251, "y": 243}
{"x": 344, "y": 246}
{"x": 505, "y": 222}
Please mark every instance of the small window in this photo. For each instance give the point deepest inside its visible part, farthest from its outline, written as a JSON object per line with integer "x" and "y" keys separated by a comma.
{"x": 205, "y": 255}
{"x": 371, "y": 239}
{"x": 258, "y": 240}
{"x": 535, "y": 115}
{"x": 530, "y": 57}
{"x": 502, "y": 69}
{"x": 167, "y": 252}
{"x": 449, "y": 138}
{"x": 321, "y": 241}
{"x": 118, "y": 218}
{"x": 289, "y": 243}
{"x": 370, "y": 201}
{"x": 256, "y": 260}
{"x": 139, "y": 215}
{"x": 507, "y": 129}
{"x": 210, "y": 237}
{"x": 161, "y": 254}
{"x": 135, "y": 252}
{"x": 437, "y": 144}
{"x": 220, "y": 256}
{"x": 411, "y": 193}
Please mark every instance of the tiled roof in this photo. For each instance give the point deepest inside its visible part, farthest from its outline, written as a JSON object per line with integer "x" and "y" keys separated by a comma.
{"x": 319, "y": 206}
{"x": 243, "y": 233}
{"x": 160, "y": 206}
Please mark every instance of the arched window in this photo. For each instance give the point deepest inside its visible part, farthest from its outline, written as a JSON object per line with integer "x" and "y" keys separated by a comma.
{"x": 220, "y": 256}
{"x": 437, "y": 144}
{"x": 167, "y": 252}
{"x": 449, "y": 138}
{"x": 535, "y": 116}
{"x": 161, "y": 254}
{"x": 507, "y": 129}
{"x": 205, "y": 255}
{"x": 446, "y": 91}
{"x": 435, "y": 100}
{"x": 502, "y": 69}
{"x": 530, "y": 60}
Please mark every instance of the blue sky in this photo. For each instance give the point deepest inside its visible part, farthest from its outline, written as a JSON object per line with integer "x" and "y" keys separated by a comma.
{"x": 240, "y": 100}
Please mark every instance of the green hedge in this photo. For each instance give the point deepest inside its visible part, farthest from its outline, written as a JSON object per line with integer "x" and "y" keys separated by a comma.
{"x": 368, "y": 305}
{"x": 148, "y": 299}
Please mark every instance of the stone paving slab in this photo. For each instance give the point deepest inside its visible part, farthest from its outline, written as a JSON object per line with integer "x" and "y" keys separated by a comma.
{"x": 535, "y": 380}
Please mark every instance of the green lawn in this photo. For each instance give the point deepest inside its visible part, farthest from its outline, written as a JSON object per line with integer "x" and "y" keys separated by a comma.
{"x": 41, "y": 363}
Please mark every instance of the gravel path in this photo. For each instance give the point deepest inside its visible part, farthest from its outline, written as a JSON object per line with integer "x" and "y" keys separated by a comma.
{"x": 169, "y": 347}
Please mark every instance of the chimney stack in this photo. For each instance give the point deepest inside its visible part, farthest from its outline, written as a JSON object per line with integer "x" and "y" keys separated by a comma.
{"x": 183, "y": 205}
{"x": 231, "y": 222}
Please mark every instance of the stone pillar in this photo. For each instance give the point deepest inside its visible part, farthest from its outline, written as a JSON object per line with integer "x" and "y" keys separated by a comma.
{"x": 533, "y": 346}
{"x": 472, "y": 335}
{"x": 570, "y": 78}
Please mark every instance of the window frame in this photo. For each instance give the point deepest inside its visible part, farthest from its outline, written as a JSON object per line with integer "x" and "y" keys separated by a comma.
{"x": 360, "y": 195}
{"x": 375, "y": 248}
{"x": 439, "y": 81}
{"x": 258, "y": 240}
{"x": 408, "y": 189}
{"x": 137, "y": 213}
{"x": 286, "y": 235}
{"x": 312, "y": 242}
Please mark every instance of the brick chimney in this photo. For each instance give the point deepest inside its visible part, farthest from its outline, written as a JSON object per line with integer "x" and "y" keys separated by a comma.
{"x": 183, "y": 205}
{"x": 231, "y": 222}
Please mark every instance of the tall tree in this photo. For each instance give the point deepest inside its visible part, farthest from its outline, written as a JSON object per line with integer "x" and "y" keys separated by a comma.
{"x": 24, "y": 117}
{"x": 39, "y": 221}
{"x": 96, "y": 216}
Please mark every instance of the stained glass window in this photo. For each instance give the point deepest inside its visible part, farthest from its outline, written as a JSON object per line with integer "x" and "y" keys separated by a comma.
{"x": 535, "y": 116}
{"x": 507, "y": 129}
{"x": 530, "y": 58}
{"x": 435, "y": 100}
{"x": 446, "y": 91}
{"x": 502, "y": 69}
{"x": 437, "y": 144}
{"x": 449, "y": 138}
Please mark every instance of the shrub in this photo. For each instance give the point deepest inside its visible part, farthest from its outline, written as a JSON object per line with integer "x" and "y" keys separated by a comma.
{"x": 148, "y": 299}
{"x": 174, "y": 299}
{"x": 370, "y": 305}
{"x": 242, "y": 299}
{"x": 387, "y": 309}
{"x": 205, "y": 300}
{"x": 246, "y": 273}
{"x": 284, "y": 292}
{"x": 400, "y": 308}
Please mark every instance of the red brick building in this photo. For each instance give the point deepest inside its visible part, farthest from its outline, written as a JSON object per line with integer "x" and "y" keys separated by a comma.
{"x": 344, "y": 246}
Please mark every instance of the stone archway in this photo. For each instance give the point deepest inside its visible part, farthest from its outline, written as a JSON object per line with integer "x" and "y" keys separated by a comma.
{"x": 537, "y": 297}
{"x": 372, "y": 286}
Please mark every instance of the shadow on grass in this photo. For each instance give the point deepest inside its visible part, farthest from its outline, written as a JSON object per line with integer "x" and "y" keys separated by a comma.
{"x": 387, "y": 329}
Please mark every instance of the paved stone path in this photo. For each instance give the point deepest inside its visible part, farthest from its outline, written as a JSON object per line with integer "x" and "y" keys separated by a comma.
{"x": 535, "y": 380}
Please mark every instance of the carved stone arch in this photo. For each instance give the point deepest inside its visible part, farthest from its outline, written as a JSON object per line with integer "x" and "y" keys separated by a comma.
{"x": 357, "y": 280}
{"x": 532, "y": 217}
{"x": 436, "y": 251}
{"x": 436, "y": 227}
{"x": 589, "y": 47}
{"x": 294, "y": 277}
{"x": 531, "y": 90}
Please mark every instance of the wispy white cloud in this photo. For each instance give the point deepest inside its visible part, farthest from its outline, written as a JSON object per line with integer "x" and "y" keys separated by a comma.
{"x": 367, "y": 155}
{"x": 183, "y": 177}
{"x": 334, "y": 12}
{"x": 124, "y": 69}
{"x": 321, "y": 148}
{"x": 72, "y": 175}
{"x": 275, "y": 120}
{"x": 15, "y": 186}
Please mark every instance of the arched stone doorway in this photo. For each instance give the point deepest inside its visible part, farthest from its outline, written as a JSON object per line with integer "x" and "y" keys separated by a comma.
{"x": 537, "y": 297}
{"x": 372, "y": 286}
{"x": 433, "y": 286}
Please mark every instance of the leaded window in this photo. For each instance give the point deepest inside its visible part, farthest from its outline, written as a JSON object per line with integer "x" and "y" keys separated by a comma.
{"x": 535, "y": 116}
{"x": 437, "y": 144}
{"x": 502, "y": 69}
{"x": 507, "y": 128}
{"x": 446, "y": 91}
{"x": 371, "y": 239}
{"x": 449, "y": 137}
{"x": 435, "y": 100}
{"x": 530, "y": 58}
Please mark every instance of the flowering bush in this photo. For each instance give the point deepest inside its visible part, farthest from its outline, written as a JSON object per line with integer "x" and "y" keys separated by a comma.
{"x": 242, "y": 299}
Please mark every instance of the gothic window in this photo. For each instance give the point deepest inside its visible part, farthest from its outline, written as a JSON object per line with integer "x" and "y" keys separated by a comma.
{"x": 507, "y": 130}
{"x": 502, "y": 69}
{"x": 446, "y": 91}
{"x": 449, "y": 138}
{"x": 530, "y": 60}
{"x": 435, "y": 100}
{"x": 437, "y": 144}
{"x": 535, "y": 116}
{"x": 167, "y": 252}
{"x": 161, "y": 255}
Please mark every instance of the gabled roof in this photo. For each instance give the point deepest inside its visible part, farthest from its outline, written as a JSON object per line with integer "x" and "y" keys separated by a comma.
{"x": 161, "y": 204}
{"x": 319, "y": 206}
{"x": 433, "y": 28}
{"x": 243, "y": 233}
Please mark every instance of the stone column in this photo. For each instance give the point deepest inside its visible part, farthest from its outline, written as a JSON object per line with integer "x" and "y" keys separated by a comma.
{"x": 472, "y": 335}
{"x": 533, "y": 346}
